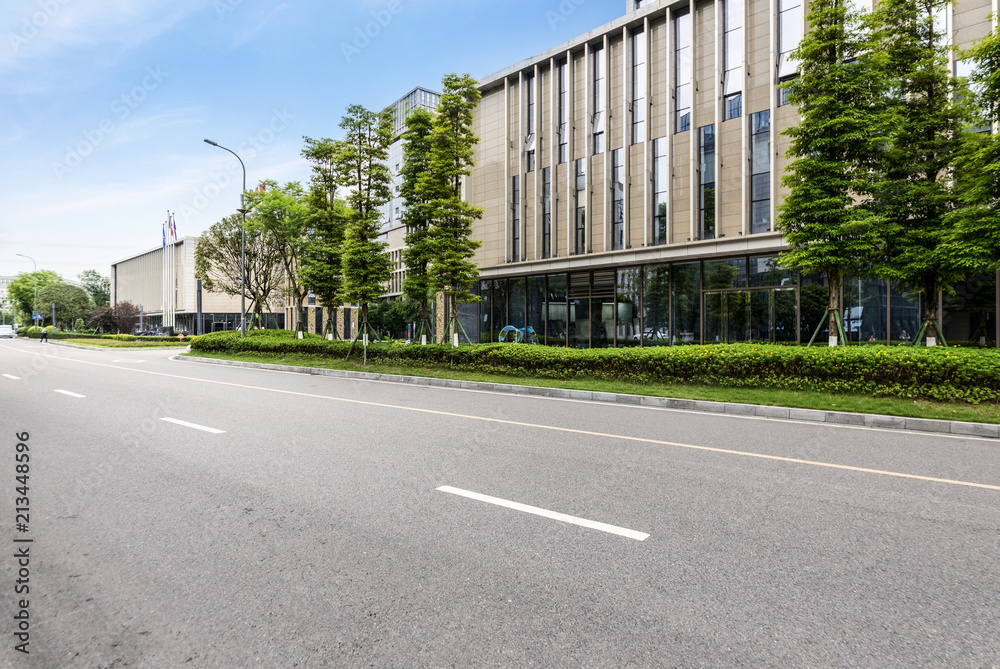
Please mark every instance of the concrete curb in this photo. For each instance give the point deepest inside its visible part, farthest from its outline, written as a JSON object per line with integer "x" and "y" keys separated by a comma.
{"x": 838, "y": 417}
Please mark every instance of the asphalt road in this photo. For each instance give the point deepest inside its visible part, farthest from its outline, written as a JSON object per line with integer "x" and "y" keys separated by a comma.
{"x": 308, "y": 527}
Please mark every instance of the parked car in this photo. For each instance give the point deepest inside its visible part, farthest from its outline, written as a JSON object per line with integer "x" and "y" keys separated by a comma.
{"x": 7, "y": 331}
{"x": 146, "y": 333}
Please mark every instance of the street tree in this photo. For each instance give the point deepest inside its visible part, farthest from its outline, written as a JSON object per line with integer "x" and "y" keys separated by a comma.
{"x": 915, "y": 194}
{"x": 121, "y": 318}
{"x": 71, "y": 302}
{"x": 98, "y": 287}
{"x": 452, "y": 148}
{"x": 281, "y": 213}
{"x": 834, "y": 149}
{"x": 321, "y": 268}
{"x": 975, "y": 232}
{"x": 22, "y": 290}
{"x": 217, "y": 264}
{"x": 417, "y": 214}
{"x": 361, "y": 162}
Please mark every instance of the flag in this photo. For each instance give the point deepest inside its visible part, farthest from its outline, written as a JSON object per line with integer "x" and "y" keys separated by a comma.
{"x": 164, "y": 235}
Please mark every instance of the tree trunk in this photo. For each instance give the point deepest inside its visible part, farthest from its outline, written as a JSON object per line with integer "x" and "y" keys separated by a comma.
{"x": 930, "y": 307}
{"x": 835, "y": 289}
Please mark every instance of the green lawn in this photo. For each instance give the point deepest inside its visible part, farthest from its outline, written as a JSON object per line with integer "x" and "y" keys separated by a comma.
{"x": 114, "y": 343}
{"x": 983, "y": 413}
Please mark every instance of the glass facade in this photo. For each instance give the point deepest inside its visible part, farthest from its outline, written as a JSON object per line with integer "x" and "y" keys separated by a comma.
{"x": 617, "y": 199}
{"x": 563, "y": 112}
{"x": 529, "y": 142}
{"x": 741, "y": 299}
{"x": 706, "y": 190}
{"x": 760, "y": 172}
{"x": 599, "y": 91}
{"x": 638, "y": 86}
{"x": 732, "y": 83}
{"x": 660, "y": 183}
{"x": 515, "y": 206}
{"x": 683, "y": 71}
{"x": 791, "y": 26}
{"x": 546, "y": 212}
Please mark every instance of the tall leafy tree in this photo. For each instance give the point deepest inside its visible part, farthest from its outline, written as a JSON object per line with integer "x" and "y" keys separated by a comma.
{"x": 321, "y": 268}
{"x": 98, "y": 287}
{"x": 281, "y": 213}
{"x": 975, "y": 235}
{"x": 22, "y": 290}
{"x": 834, "y": 149}
{"x": 452, "y": 148}
{"x": 71, "y": 302}
{"x": 361, "y": 162}
{"x": 915, "y": 194}
{"x": 217, "y": 263}
{"x": 418, "y": 213}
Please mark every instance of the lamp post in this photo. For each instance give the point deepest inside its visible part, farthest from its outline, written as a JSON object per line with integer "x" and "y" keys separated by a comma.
{"x": 243, "y": 243}
{"x": 34, "y": 304}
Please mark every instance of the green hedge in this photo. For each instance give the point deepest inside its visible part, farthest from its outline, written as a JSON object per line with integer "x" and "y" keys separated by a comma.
{"x": 969, "y": 375}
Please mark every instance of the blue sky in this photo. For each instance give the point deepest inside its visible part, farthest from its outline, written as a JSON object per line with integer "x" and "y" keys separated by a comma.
{"x": 105, "y": 104}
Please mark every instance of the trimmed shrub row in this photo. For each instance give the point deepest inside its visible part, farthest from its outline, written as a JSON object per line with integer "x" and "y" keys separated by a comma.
{"x": 880, "y": 371}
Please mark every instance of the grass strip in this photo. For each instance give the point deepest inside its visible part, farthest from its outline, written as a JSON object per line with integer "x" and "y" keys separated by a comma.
{"x": 799, "y": 399}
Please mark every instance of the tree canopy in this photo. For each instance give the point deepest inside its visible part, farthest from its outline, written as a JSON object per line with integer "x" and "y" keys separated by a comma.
{"x": 22, "y": 290}
{"x": 98, "y": 287}
{"x": 71, "y": 302}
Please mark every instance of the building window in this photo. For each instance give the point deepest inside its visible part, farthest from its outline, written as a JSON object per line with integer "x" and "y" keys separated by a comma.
{"x": 760, "y": 172}
{"x": 599, "y": 119}
{"x": 529, "y": 142}
{"x": 706, "y": 190}
{"x": 732, "y": 84}
{"x": 618, "y": 200}
{"x": 660, "y": 191}
{"x": 546, "y": 212}
{"x": 790, "y": 29}
{"x": 638, "y": 87}
{"x": 563, "y": 112}
{"x": 515, "y": 239}
{"x": 682, "y": 70}
{"x": 581, "y": 185}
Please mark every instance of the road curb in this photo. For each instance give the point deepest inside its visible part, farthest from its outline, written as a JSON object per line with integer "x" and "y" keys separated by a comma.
{"x": 964, "y": 429}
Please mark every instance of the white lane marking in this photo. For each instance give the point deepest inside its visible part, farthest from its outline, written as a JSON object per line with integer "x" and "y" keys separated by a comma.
{"x": 128, "y": 361}
{"x": 11, "y": 376}
{"x": 554, "y": 515}
{"x": 66, "y": 392}
{"x": 197, "y": 427}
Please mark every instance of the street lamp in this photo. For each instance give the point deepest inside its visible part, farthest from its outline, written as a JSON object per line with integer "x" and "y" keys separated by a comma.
{"x": 243, "y": 243}
{"x": 34, "y": 305}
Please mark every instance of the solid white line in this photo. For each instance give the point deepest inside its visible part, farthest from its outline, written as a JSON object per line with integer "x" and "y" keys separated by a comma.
{"x": 66, "y": 392}
{"x": 11, "y": 376}
{"x": 554, "y": 515}
{"x": 197, "y": 427}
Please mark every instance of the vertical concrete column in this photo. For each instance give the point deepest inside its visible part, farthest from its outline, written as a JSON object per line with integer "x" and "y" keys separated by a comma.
{"x": 671, "y": 121}
{"x": 647, "y": 152}
{"x": 773, "y": 97}
{"x": 608, "y": 147}
{"x": 695, "y": 181}
{"x": 522, "y": 133}
{"x": 588, "y": 143}
{"x": 718, "y": 70}
{"x": 745, "y": 128}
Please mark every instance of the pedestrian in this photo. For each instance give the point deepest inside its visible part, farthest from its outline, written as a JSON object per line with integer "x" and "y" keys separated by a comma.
{"x": 904, "y": 336}
{"x": 45, "y": 335}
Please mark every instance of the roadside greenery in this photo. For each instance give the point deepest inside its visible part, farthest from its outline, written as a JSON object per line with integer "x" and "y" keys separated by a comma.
{"x": 940, "y": 374}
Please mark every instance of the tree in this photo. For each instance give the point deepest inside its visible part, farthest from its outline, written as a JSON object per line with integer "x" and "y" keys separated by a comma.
{"x": 975, "y": 233}
{"x": 417, "y": 213}
{"x": 22, "y": 290}
{"x": 321, "y": 267}
{"x": 453, "y": 143}
{"x": 121, "y": 318}
{"x": 361, "y": 162}
{"x": 281, "y": 213}
{"x": 914, "y": 194}
{"x": 71, "y": 302}
{"x": 98, "y": 287}
{"x": 834, "y": 149}
{"x": 217, "y": 263}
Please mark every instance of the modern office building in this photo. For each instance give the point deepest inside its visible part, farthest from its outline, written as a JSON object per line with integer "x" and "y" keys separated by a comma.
{"x": 630, "y": 179}
{"x": 142, "y": 279}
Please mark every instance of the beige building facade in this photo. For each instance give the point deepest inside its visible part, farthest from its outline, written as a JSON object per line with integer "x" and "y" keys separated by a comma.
{"x": 630, "y": 179}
